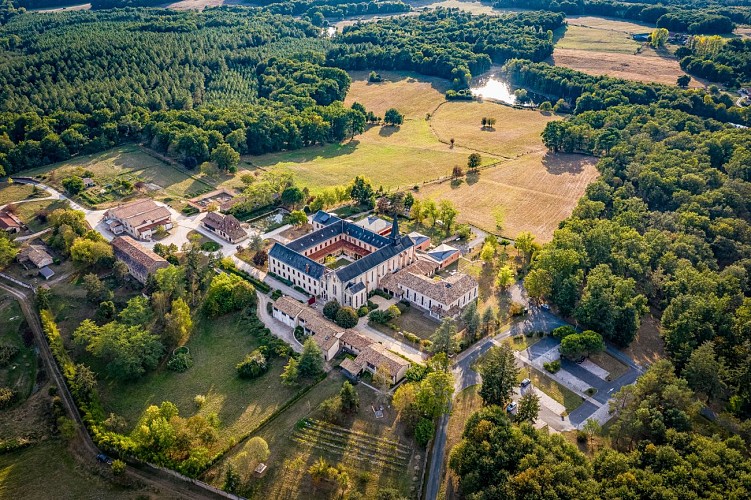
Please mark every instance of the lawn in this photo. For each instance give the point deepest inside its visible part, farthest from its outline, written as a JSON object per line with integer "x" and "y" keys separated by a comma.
{"x": 48, "y": 467}
{"x": 216, "y": 346}
{"x": 374, "y": 451}
{"x": 465, "y": 404}
{"x": 14, "y": 192}
{"x": 341, "y": 261}
{"x": 535, "y": 191}
{"x": 27, "y": 212}
{"x": 558, "y": 392}
{"x": 20, "y": 372}
{"x": 615, "y": 368}
{"x": 415, "y": 321}
{"x": 128, "y": 162}
{"x": 521, "y": 342}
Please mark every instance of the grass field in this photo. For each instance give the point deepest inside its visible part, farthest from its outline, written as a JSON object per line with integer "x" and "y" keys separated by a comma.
{"x": 390, "y": 156}
{"x": 521, "y": 342}
{"x": 14, "y": 192}
{"x": 125, "y": 162}
{"x": 603, "y": 46}
{"x": 535, "y": 191}
{"x": 20, "y": 373}
{"x": 558, "y": 392}
{"x": 607, "y": 362}
{"x": 465, "y": 404}
{"x": 46, "y": 470}
{"x": 216, "y": 346}
{"x": 27, "y": 212}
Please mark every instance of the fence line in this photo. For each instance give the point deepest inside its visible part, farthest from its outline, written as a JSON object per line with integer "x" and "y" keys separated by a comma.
{"x": 17, "y": 282}
{"x": 196, "y": 482}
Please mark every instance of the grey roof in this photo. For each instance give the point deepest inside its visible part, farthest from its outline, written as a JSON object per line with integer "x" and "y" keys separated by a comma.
{"x": 325, "y": 218}
{"x": 370, "y": 261}
{"x": 46, "y": 272}
{"x": 334, "y": 229}
{"x": 356, "y": 287}
{"x": 442, "y": 252}
{"x": 297, "y": 261}
{"x": 418, "y": 238}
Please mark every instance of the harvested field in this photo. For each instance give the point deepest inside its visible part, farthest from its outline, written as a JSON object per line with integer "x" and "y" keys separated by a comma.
{"x": 516, "y": 131}
{"x": 602, "y": 46}
{"x": 536, "y": 192}
{"x": 417, "y": 94}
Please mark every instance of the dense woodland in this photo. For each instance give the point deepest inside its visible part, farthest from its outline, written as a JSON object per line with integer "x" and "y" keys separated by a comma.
{"x": 701, "y": 17}
{"x": 666, "y": 226}
{"x": 718, "y": 60}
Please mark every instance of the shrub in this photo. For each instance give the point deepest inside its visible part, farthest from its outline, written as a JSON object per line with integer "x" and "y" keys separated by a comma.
{"x": 552, "y": 366}
{"x": 276, "y": 294}
{"x": 379, "y": 317}
{"x": 199, "y": 400}
{"x": 424, "y": 431}
{"x": 254, "y": 365}
{"x": 516, "y": 309}
{"x": 210, "y": 246}
{"x": 563, "y": 331}
{"x": 180, "y": 361}
{"x": 372, "y": 306}
{"x": 7, "y": 352}
{"x": 118, "y": 467}
{"x": 346, "y": 317}
{"x": 426, "y": 344}
{"x": 581, "y": 437}
{"x": 394, "y": 312}
{"x": 411, "y": 337}
{"x": 7, "y": 396}
{"x": 269, "y": 307}
{"x": 416, "y": 373}
{"x": 363, "y": 311}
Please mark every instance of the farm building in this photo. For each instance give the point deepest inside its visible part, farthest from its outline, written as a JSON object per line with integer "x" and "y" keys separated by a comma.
{"x": 10, "y": 223}
{"x": 224, "y": 226}
{"x": 332, "y": 339}
{"x": 372, "y": 257}
{"x": 140, "y": 219}
{"x": 140, "y": 260}
{"x": 36, "y": 254}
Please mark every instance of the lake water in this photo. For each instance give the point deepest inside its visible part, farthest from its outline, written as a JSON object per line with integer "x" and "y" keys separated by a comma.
{"x": 494, "y": 87}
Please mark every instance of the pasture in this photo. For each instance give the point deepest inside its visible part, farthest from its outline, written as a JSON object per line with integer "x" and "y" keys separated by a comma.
{"x": 602, "y": 46}
{"x": 10, "y": 193}
{"x": 535, "y": 191}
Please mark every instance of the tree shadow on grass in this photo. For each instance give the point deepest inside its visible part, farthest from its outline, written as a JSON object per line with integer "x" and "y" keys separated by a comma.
{"x": 456, "y": 183}
{"x": 561, "y": 163}
{"x": 472, "y": 178}
{"x": 388, "y": 130}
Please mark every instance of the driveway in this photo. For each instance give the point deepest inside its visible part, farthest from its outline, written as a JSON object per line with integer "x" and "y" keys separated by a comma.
{"x": 278, "y": 328}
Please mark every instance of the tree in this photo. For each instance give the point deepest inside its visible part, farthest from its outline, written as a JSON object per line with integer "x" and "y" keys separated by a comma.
{"x": 546, "y": 107}
{"x": 474, "y": 161}
{"x": 592, "y": 428}
{"x": 433, "y": 395}
{"x": 96, "y": 290}
{"x": 120, "y": 271}
{"x": 349, "y": 397}
{"x": 260, "y": 258}
{"x": 499, "y": 374}
{"x": 291, "y": 374}
{"x": 8, "y": 250}
{"x": 361, "y": 191}
{"x": 311, "y": 360}
{"x": 346, "y": 317}
{"x": 225, "y": 157}
{"x": 255, "y": 451}
{"x": 539, "y": 284}
{"x": 488, "y": 319}
{"x": 525, "y": 243}
{"x": 178, "y": 324}
{"x": 444, "y": 338}
{"x": 683, "y": 81}
{"x": 448, "y": 213}
{"x": 505, "y": 277}
{"x": 297, "y": 218}
{"x": 704, "y": 372}
{"x": 499, "y": 216}
{"x": 471, "y": 320}
{"x": 331, "y": 308}
{"x": 137, "y": 312}
{"x": 252, "y": 366}
{"x": 73, "y": 184}
{"x": 292, "y": 197}
{"x": 424, "y": 431}
{"x": 430, "y": 210}
{"x": 91, "y": 253}
{"x": 382, "y": 378}
{"x": 393, "y": 117}
{"x": 457, "y": 172}
{"x": 529, "y": 408}
{"x": 227, "y": 293}
{"x": 659, "y": 37}
{"x": 487, "y": 254}
{"x": 580, "y": 345}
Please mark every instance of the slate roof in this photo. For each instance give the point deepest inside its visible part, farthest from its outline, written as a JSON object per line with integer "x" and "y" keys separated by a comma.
{"x": 297, "y": 261}
{"x": 334, "y": 229}
{"x": 418, "y": 238}
{"x": 370, "y": 261}
{"x": 356, "y": 287}
{"x": 373, "y": 223}
{"x": 46, "y": 272}
{"x": 442, "y": 252}
{"x": 325, "y": 218}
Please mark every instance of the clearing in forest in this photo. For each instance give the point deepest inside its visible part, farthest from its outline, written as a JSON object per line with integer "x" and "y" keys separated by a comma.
{"x": 602, "y": 46}
{"x": 535, "y": 192}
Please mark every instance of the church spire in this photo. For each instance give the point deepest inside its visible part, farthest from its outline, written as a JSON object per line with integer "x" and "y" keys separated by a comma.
{"x": 395, "y": 229}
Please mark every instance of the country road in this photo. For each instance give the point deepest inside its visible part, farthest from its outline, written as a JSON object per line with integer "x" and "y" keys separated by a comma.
{"x": 164, "y": 485}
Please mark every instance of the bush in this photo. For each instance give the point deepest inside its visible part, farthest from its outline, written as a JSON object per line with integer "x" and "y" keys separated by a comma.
{"x": 516, "y": 309}
{"x": 416, "y": 373}
{"x": 269, "y": 307}
{"x": 424, "y": 431}
{"x": 189, "y": 210}
{"x": 563, "y": 331}
{"x": 180, "y": 361}
{"x": 426, "y": 344}
{"x": 276, "y": 294}
{"x": 581, "y": 437}
{"x": 118, "y": 467}
{"x": 7, "y": 397}
{"x": 254, "y": 365}
{"x": 7, "y": 352}
{"x": 412, "y": 337}
{"x": 346, "y": 317}
{"x": 210, "y": 246}
{"x": 379, "y": 317}
{"x": 363, "y": 311}
{"x": 199, "y": 400}
{"x": 372, "y": 306}
{"x": 552, "y": 366}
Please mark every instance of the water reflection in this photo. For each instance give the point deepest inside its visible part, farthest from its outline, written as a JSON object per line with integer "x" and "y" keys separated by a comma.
{"x": 496, "y": 88}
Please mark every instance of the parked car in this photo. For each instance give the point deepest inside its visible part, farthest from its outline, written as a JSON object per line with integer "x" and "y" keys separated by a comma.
{"x": 524, "y": 383}
{"x": 102, "y": 458}
{"x": 545, "y": 307}
{"x": 512, "y": 408}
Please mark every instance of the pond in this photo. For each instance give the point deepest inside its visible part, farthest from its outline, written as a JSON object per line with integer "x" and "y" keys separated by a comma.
{"x": 494, "y": 87}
